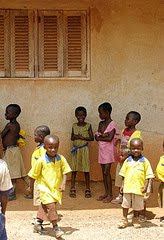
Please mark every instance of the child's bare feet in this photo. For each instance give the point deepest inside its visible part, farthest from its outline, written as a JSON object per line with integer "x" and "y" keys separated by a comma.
{"x": 101, "y": 198}
{"x": 107, "y": 199}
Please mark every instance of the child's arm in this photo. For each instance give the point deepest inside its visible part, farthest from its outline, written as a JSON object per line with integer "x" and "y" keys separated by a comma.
{"x": 90, "y": 138}
{"x": 74, "y": 136}
{"x": 144, "y": 189}
{"x": 5, "y": 130}
{"x": 62, "y": 187}
{"x": 108, "y": 138}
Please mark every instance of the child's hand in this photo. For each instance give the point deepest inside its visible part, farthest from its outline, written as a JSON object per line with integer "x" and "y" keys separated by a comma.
{"x": 62, "y": 188}
{"x": 80, "y": 137}
{"x": 144, "y": 189}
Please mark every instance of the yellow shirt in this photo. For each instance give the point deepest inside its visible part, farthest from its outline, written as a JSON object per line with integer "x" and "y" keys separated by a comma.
{"x": 38, "y": 152}
{"x": 160, "y": 169}
{"x": 135, "y": 174}
{"x": 49, "y": 176}
{"x": 136, "y": 134}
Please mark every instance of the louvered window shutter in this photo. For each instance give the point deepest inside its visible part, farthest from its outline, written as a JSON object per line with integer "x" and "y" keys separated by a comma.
{"x": 75, "y": 44}
{"x": 50, "y": 44}
{"x": 22, "y": 43}
{"x": 4, "y": 44}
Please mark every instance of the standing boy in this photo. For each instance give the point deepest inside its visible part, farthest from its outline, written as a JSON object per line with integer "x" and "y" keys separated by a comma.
{"x": 5, "y": 189}
{"x": 136, "y": 173}
{"x": 160, "y": 176}
{"x": 39, "y": 135}
{"x": 130, "y": 132}
{"x": 12, "y": 154}
{"x": 50, "y": 173}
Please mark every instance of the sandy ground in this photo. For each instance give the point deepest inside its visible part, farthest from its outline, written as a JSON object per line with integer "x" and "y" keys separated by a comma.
{"x": 83, "y": 219}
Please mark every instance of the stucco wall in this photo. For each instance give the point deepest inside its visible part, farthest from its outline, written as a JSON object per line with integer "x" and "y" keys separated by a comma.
{"x": 126, "y": 51}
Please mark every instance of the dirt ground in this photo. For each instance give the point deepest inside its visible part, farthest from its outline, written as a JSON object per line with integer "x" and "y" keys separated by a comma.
{"x": 84, "y": 219}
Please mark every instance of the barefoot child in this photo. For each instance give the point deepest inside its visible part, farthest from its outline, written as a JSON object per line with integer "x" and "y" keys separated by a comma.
{"x": 12, "y": 154}
{"x": 136, "y": 173}
{"x": 39, "y": 135}
{"x": 106, "y": 137}
{"x": 130, "y": 132}
{"x": 160, "y": 176}
{"x": 5, "y": 189}
{"x": 81, "y": 135}
{"x": 50, "y": 172}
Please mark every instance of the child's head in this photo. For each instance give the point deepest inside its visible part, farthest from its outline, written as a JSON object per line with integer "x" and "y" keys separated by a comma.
{"x": 132, "y": 118}
{"x": 80, "y": 113}
{"x": 12, "y": 111}
{"x": 40, "y": 133}
{"x": 136, "y": 147}
{"x": 104, "y": 110}
{"x": 51, "y": 144}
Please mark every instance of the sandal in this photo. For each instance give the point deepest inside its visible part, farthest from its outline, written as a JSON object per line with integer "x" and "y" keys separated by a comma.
{"x": 28, "y": 196}
{"x": 107, "y": 199}
{"x": 101, "y": 198}
{"x": 88, "y": 193}
{"x": 72, "y": 192}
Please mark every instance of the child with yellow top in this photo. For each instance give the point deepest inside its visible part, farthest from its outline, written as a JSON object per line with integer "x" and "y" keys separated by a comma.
{"x": 50, "y": 172}
{"x": 39, "y": 135}
{"x": 136, "y": 173}
{"x": 160, "y": 176}
{"x": 130, "y": 132}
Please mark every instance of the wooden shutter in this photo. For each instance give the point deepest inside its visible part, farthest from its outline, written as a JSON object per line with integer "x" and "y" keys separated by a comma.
{"x": 75, "y": 44}
{"x": 50, "y": 44}
{"x": 4, "y": 44}
{"x": 22, "y": 43}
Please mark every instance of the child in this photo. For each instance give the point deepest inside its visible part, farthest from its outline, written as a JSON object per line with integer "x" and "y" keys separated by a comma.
{"x": 81, "y": 134}
{"x": 106, "y": 136}
{"x": 5, "y": 189}
{"x": 160, "y": 176}
{"x": 39, "y": 135}
{"x": 12, "y": 154}
{"x": 136, "y": 172}
{"x": 50, "y": 172}
{"x": 130, "y": 132}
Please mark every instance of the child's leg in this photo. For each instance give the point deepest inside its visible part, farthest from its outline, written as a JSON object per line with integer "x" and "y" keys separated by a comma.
{"x": 87, "y": 180}
{"x": 72, "y": 192}
{"x": 102, "y": 197}
{"x": 12, "y": 195}
{"x": 108, "y": 182}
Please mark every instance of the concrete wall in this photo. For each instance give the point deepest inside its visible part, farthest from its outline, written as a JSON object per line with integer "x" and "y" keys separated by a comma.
{"x": 126, "y": 51}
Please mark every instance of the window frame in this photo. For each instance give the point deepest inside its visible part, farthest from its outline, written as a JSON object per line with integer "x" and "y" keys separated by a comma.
{"x": 35, "y": 36}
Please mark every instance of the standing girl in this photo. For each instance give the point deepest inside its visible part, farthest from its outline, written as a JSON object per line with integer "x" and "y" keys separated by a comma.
{"x": 106, "y": 137}
{"x": 81, "y": 134}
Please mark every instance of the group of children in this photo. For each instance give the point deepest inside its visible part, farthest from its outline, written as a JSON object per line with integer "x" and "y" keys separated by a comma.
{"x": 47, "y": 178}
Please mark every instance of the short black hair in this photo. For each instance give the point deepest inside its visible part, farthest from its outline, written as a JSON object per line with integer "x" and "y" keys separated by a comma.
{"x": 106, "y": 106}
{"x": 15, "y": 108}
{"x": 81, "y": 109}
{"x": 44, "y": 130}
{"x": 136, "y": 115}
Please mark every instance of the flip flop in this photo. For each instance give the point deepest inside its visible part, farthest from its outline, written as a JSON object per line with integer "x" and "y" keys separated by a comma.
{"x": 72, "y": 193}
{"x": 88, "y": 193}
{"x": 101, "y": 198}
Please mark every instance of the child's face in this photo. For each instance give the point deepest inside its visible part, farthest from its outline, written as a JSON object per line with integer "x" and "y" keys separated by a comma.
{"x": 9, "y": 114}
{"x": 80, "y": 115}
{"x": 136, "y": 148}
{"x": 52, "y": 148}
{"x": 102, "y": 114}
{"x": 38, "y": 137}
{"x": 130, "y": 121}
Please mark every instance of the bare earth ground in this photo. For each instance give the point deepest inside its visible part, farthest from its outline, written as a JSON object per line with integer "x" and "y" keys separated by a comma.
{"x": 84, "y": 219}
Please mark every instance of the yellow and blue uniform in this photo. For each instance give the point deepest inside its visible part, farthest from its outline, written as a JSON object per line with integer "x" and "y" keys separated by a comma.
{"x": 135, "y": 174}
{"x": 160, "y": 169}
{"x": 49, "y": 176}
{"x": 38, "y": 152}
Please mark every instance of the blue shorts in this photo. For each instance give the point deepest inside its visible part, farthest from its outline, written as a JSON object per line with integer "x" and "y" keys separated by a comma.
{"x": 3, "y": 235}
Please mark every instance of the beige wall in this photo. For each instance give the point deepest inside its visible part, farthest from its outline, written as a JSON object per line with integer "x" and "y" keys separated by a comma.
{"x": 127, "y": 46}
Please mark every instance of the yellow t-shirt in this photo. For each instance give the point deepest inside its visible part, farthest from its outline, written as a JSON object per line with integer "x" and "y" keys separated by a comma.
{"x": 135, "y": 174}
{"x": 136, "y": 134}
{"x": 49, "y": 176}
{"x": 160, "y": 169}
{"x": 38, "y": 152}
